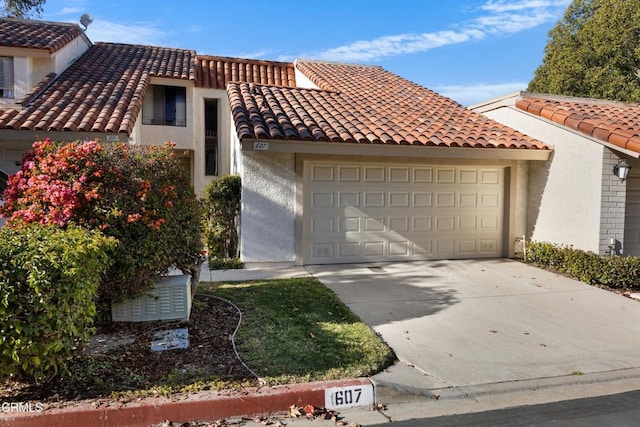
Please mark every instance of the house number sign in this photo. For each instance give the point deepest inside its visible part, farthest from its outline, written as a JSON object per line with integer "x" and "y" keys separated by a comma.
{"x": 260, "y": 146}
{"x": 348, "y": 397}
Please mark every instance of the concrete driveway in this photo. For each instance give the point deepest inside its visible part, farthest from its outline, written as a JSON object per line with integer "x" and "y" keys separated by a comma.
{"x": 476, "y": 322}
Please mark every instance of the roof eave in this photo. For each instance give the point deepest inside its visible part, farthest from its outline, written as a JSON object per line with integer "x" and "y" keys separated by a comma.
{"x": 346, "y": 148}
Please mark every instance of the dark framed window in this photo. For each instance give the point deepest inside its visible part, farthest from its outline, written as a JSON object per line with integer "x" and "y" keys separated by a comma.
{"x": 211, "y": 137}
{"x": 6, "y": 77}
{"x": 166, "y": 106}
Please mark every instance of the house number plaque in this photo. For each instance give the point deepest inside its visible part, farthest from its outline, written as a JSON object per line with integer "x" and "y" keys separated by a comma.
{"x": 261, "y": 146}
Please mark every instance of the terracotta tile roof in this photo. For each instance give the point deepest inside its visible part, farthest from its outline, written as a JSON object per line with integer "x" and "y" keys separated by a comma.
{"x": 50, "y": 36}
{"x": 364, "y": 104}
{"x": 216, "y": 71}
{"x": 613, "y": 122}
{"x": 101, "y": 92}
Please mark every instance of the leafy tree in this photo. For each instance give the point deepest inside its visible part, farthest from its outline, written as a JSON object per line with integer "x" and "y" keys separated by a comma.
{"x": 21, "y": 8}
{"x": 221, "y": 203}
{"x": 594, "y": 51}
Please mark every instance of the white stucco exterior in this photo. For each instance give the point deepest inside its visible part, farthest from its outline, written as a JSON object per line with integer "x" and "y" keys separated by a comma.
{"x": 565, "y": 193}
{"x": 268, "y": 212}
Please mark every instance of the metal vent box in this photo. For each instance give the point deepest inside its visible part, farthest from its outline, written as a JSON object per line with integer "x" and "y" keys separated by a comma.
{"x": 170, "y": 299}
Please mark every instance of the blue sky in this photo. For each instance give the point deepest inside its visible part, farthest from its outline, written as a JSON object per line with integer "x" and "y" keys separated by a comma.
{"x": 468, "y": 50}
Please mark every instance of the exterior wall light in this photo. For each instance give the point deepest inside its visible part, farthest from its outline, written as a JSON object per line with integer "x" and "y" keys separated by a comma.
{"x": 621, "y": 170}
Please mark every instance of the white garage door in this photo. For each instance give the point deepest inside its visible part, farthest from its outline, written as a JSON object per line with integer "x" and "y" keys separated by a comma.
{"x": 385, "y": 212}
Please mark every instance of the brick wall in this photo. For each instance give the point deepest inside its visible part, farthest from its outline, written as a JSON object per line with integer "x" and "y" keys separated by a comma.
{"x": 613, "y": 204}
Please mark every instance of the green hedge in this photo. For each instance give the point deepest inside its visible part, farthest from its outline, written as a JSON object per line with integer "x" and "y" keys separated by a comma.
{"x": 49, "y": 278}
{"x": 613, "y": 271}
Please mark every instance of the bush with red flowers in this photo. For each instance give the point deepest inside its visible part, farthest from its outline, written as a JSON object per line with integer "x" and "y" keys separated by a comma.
{"x": 140, "y": 195}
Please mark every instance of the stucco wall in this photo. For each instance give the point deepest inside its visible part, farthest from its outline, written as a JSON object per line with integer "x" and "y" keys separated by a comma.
{"x": 268, "y": 208}
{"x": 564, "y": 194}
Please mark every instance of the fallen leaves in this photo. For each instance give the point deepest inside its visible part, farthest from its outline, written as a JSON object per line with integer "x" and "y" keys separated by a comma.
{"x": 312, "y": 412}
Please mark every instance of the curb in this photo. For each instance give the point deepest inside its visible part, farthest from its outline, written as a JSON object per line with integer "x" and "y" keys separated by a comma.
{"x": 200, "y": 406}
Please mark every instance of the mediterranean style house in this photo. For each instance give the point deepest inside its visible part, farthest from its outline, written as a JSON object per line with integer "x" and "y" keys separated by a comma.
{"x": 339, "y": 163}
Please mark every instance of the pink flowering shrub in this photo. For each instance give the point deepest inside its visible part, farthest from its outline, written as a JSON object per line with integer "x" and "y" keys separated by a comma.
{"x": 139, "y": 195}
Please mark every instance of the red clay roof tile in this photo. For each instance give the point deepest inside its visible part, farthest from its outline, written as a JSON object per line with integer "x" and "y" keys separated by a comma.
{"x": 216, "y": 71}
{"x": 364, "y": 104}
{"x": 49, "y": 36}
{"x": 614, "y": 122}
{"x": 92, "y": 97}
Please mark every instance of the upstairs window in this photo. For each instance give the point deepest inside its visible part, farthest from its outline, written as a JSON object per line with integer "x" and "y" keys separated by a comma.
{"x": 6, "y": 77}
{"x": 211, "y": 137}
{"x": 165, "y": 105}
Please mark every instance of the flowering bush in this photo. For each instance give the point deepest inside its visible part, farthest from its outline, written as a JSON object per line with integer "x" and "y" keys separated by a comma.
{"x": 138, "y": 194}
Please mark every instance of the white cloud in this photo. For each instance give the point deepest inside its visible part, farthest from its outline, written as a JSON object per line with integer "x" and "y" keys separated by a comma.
{"x": 144, "y": 33}
{"x": 500, "y": 6}
{"x": 71, "y": 11}
{"x": 75, "y": 8}
{"x": 497, "y": 17}
{"x": 474, "y": 93}
{"x": 364, "y": 51}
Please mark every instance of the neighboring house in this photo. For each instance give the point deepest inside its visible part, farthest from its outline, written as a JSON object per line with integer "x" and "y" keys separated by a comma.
{"x": 575, "y": 198}
{"x": 339, "y": 163}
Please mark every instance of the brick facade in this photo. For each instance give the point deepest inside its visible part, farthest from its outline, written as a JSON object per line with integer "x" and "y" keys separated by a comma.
{"x": 612, "y": 209}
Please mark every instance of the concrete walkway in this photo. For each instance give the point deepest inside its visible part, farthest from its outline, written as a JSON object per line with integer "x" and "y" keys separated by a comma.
{"x": 470, "y": 327}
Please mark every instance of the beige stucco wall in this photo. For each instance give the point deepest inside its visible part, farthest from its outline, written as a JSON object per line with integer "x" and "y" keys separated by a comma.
{"x": 192, "y": 136}
{"x": 564, "y": 194}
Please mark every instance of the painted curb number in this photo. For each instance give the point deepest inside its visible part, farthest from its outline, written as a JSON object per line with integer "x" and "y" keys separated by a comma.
{"x": 348, "y": 397}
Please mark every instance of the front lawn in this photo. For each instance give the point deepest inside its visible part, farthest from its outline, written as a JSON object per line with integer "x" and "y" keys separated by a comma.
{"x": 293, "y": 330}
{"x": 296, "y": 330}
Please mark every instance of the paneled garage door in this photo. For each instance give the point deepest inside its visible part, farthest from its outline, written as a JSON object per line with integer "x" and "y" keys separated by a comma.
{"x": 385, "y": 212}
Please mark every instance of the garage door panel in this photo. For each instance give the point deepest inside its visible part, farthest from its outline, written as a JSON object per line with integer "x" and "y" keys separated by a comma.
{"x": 468, "y": 176}
{"x": 322, "y": 173}
{"x": 349, "y": 173}
{"x": 374, "y": 199}
{"x": 422, "y": 200}
{"x": 349, "y": 199}
{"x": 367, "y": 213}
{"x": 445, "y": 200}
{"x": 399, "y": 199}
{"x": 374, "y": 174}
{"x": 446, "y": 176}
{"x": 467, "y": 247}
{"x": 322, "y": 200}
{"x": 399, "y": 174}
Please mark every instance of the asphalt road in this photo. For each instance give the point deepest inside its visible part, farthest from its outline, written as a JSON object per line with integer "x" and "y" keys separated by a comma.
{"x": 611, "y": 411}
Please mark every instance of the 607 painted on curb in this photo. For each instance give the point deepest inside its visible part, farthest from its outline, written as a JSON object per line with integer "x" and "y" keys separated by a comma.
{"x": 348, "y": 397}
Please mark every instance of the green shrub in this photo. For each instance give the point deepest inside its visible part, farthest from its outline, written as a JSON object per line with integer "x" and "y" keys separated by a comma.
{"x": 139, "y": 195}
{"x": 613, "y": 271}
{"x": 221, "y": 207}
{"x": 216, "y": 263}
{"x": 48, "y": 283}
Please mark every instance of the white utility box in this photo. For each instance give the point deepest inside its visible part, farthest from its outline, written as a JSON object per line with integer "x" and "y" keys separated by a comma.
{"x": 170, "y": 299}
